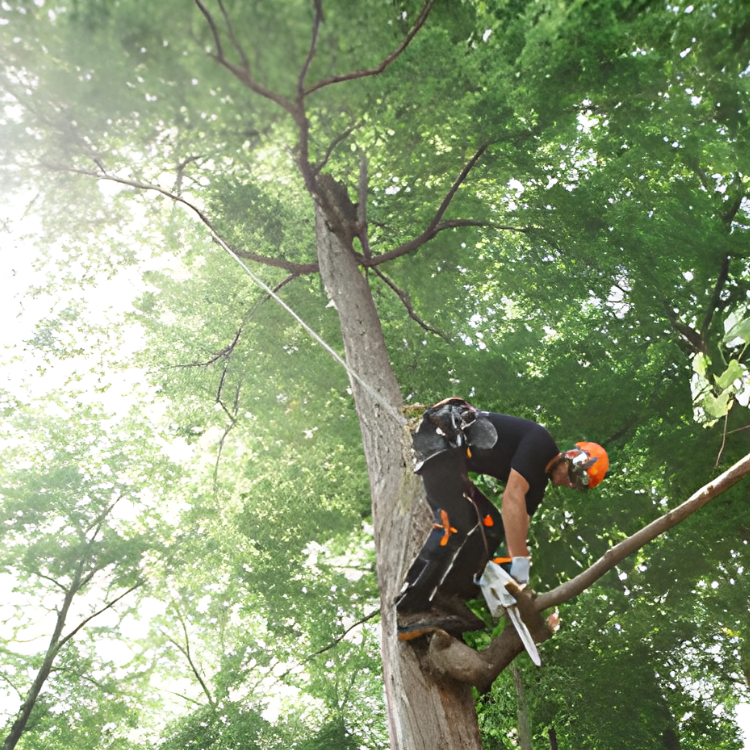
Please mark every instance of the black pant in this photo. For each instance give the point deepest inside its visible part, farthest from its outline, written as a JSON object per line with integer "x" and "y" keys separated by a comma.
{"x": 468, "y": 529}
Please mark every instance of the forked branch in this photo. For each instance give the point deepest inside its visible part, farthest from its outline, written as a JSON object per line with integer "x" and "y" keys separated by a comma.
{"x": 406, "y": 301}
{"x": 435, "y": 225}
{"x": 242, "y": 72}
{"x": 426, "y": 8}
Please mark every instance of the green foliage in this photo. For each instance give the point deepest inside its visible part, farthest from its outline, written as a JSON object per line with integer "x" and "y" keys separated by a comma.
{"x": 600, "y": 286}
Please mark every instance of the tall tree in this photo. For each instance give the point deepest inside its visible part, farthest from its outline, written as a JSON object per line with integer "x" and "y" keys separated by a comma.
{"x": 525, "y": 142}
{"x": 75, "y": 552}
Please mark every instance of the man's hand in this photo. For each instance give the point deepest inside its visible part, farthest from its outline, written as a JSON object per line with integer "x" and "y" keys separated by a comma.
{"x": 519, "y": 569}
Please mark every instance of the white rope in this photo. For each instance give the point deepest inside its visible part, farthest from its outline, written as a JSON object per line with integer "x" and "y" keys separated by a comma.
{"x": 259, "y": 282}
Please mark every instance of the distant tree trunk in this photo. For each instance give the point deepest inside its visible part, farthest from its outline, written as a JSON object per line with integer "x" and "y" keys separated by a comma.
{"x": 424, "y": 712}
{"x": 524, "y": 719}
{"x": 19, "y": 724}
{"x": 552, "y": 734}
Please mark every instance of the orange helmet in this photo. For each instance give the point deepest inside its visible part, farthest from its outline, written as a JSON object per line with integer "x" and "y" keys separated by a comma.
{"x": 587, "y": 465}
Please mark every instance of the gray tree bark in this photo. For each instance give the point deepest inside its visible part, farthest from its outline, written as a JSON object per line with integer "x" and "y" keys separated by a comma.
{"x": 426, "y": 711}
{"x": 524, "y": 717}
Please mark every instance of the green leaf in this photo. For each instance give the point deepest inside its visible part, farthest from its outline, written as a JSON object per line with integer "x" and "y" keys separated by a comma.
{"x": 701, "y": 363}
{"x": 717, "y": 406}
{"x": 740, "y": 330}
{"x": 734, "y": 371}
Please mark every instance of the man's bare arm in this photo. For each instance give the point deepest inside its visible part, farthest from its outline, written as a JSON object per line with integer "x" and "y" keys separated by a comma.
{"x": 515, "y": 517}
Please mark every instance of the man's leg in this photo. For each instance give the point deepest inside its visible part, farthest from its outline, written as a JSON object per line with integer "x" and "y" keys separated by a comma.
{"x": 478, "y": 548}
{"x": 464, "y": 535}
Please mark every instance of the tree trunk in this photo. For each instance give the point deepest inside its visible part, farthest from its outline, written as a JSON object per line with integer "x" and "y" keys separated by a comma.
{"x": 524, "y": 719}
{"x": 425, "y": 712}
{"x": 19, "y": 724}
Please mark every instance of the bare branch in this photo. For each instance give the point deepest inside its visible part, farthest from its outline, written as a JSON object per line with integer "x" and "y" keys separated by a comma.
{"x": 83, "y": 623}
{"x": 647, "y": 534}
{"x": 426, "y": 8}
{"x": 212, "y": 26}
{"x": 51, "y": 580}
{"x": 225, "y": 352}
{"x": 404, "y": 297}
{"x": 460, "y": 661}
{"x": 233, "y": 38}
{"x": 244, "y": 74}
{"x": 311, "y": 53}
{"x": 185, "y": 651}
{"x": 435, "y": 224}
{"x": 335, "y": 642}
{"x": 425, "y": 237}
{"x": 296, "y": 269}
{"x": 334, "y": 143}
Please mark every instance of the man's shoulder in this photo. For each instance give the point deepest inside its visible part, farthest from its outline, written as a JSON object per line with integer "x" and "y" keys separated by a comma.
{"x": 519, "y": 423}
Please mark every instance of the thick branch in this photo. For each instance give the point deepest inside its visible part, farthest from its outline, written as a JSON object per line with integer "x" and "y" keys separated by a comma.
{"x": 426, "y": 8}
{"x": 297, "y": 269}
{"x": 715, "y": 300}
{"x": 462, "y": 663}
{"x": 691, "y": 336}
{"x": 404, "y": 297}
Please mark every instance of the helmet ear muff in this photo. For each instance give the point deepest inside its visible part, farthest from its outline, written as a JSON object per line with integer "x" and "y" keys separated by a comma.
{"x": 587, "y": 465}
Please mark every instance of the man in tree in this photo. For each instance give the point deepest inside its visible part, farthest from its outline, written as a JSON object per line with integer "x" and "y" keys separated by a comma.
{"x": 452, "y": 440}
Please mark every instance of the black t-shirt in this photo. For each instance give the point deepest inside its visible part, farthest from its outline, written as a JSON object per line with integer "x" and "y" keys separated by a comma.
{"x": 522, "y": 445}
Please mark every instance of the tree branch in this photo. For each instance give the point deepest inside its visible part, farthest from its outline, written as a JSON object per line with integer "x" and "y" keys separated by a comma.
{"x": 335, "y": 642}
{"x": 83, "y": 623}
{"x": 316, "y": 169}
{"x": 225, "y": 352}
{"x": 296, "y": 269}
{"x": 233, "y": 38}
{"x": 404, "y": 297}
{"x": 185, "y": 651}
{"x": 691, "y": 336}
{"x": 435, "y": 224}
{"x": 454, "y": 658}
{"x": 313, "y": 44}
{"x": 244, "y": 73}
{"x": 427, "y": 235}
{"x": 426, "y": 8}
{"x": 647, "y": 534}
{"x": 715, "y": 301}
{"x": 362, "y": 185}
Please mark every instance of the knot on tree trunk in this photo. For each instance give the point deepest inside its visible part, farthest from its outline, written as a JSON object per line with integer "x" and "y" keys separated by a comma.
{"x": 339, "y": 211}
